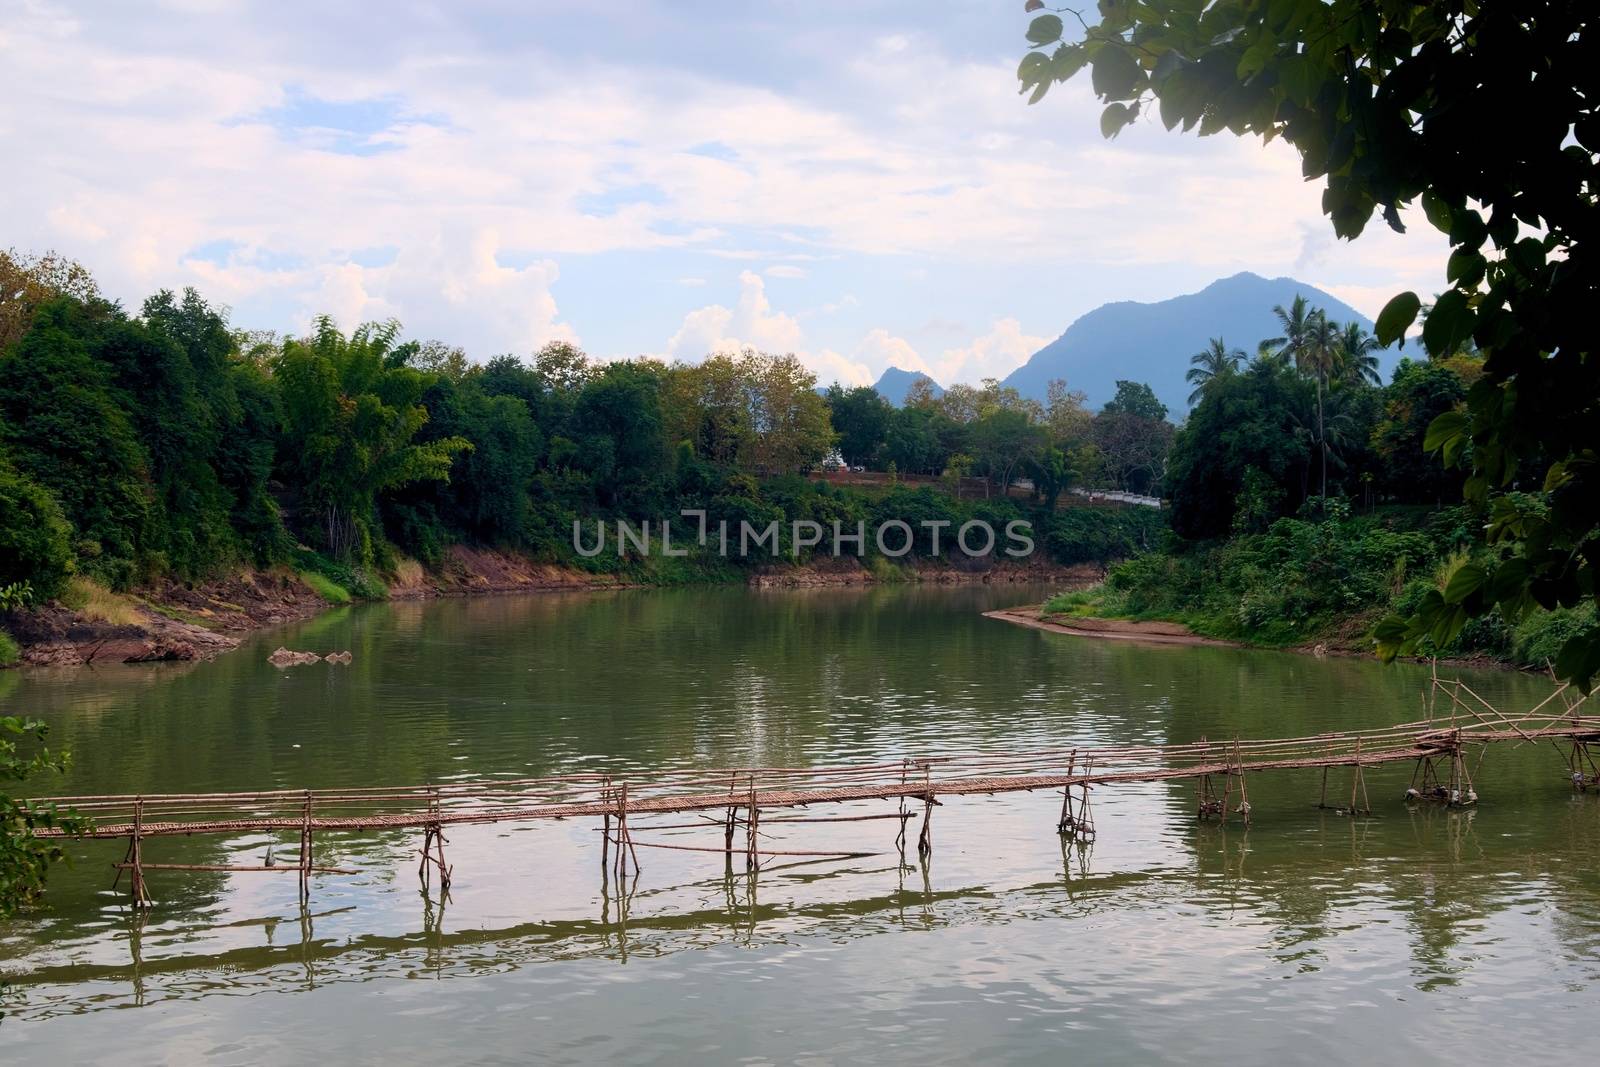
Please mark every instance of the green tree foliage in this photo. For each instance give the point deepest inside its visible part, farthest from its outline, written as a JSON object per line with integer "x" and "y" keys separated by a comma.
{"x": 861, "y": 418}
{"x": 1421, "y": 391}
{"x": 751, "y": 409}
{"x": 67, "y": 429}
{"x": 352, "y": 413}
{"x": 133, "y": 448}
{"x": 35, "y": 540}
{"x": 25, "y": 858}
{"x": 1385, "y": 101}
{"x": 1215, "y": 361}
{"x": 1138, "y": 399}
{"x": 1244, "y": 422}
{"x": 917, "y": 440}
{"x": 622, "y": 445}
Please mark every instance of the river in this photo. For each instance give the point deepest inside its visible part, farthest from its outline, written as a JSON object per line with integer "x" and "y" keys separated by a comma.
{"x": 1414, "y": 935}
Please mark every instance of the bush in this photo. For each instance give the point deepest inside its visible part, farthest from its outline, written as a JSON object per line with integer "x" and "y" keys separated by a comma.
{"x": 325, "y": 588}
{"x": 1289, "y": 584}
{"x": 1537, "y": 640}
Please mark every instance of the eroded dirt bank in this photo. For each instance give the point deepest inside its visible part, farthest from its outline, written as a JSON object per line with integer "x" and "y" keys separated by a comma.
{"x": 198, "y": 620}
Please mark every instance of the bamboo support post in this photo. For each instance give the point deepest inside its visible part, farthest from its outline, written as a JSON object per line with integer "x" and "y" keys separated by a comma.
{"x": 141, "y": 896}
{"x": 305, "y": 852}
{"x": 752, "y": 860}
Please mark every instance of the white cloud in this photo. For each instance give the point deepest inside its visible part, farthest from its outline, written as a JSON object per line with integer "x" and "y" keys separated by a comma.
{"x": 831, "y": 367}
{"x": 751, "y": 322}
{"x": 504, "y": 157}
{"x": 993, "y": 355}
{"x": 881, "y": 350}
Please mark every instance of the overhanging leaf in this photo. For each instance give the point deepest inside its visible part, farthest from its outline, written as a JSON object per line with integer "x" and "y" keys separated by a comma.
{"x": 1468, "y": 579}
{"x": 1396, "y": 318}
{"x": 1115, "y": 73}
{"x": 1045, "y": 29}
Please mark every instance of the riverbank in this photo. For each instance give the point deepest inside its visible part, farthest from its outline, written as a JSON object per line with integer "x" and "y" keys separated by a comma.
{"x": 181, "y": 621}
{"x": 1151, "y": 633}
{"x": 1349, "y": 641}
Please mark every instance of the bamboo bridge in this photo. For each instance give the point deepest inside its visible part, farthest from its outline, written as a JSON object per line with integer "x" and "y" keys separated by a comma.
{"x": 739, "y": 801}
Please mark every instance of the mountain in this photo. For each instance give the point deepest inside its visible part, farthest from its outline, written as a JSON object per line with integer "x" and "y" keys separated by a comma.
{"x": 1153, "y": 342}
{"x": 895, "y": 382}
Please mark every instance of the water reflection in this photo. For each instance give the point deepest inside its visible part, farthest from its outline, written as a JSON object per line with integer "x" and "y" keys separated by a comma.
{"x": 1005, "y": 915}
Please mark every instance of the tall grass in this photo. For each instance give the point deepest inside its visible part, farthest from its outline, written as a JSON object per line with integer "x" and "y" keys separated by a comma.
{"x": 94, "y": 601}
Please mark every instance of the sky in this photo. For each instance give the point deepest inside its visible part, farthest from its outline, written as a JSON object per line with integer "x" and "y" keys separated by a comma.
{"x": 855, "y": 182}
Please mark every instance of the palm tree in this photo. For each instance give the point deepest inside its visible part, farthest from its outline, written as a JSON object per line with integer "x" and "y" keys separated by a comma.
{"x": 1357, "y": 363}
{"x": 1317, "y": 357}
{"x": 1217, "y": 361}
{"x": 1295, "y": 322}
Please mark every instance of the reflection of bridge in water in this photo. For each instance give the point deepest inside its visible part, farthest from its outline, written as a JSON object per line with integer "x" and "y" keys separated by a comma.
{"x": 739, "y": 802}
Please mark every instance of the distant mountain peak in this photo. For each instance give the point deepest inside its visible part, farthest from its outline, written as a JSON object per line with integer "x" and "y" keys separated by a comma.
{"x": 895, "y": 382}
{"x": 1152, "y": 341}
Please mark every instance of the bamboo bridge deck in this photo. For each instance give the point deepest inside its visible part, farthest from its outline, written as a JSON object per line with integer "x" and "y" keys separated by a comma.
{"x": 746, "y": 797}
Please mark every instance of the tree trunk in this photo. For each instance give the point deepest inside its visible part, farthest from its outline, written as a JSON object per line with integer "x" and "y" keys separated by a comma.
{"x": 1322, "y": 439}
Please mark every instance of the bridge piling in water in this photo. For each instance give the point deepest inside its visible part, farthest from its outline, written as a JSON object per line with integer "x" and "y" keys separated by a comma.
{"x": 757, "y": 797}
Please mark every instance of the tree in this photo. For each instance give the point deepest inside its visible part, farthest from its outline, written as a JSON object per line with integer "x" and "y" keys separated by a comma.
{"x": 1421, "y": 391}
{"x": 709, "y": 404}
{"x": 1386, "y": 101}
{"x": 860, "y": 417}
{"x": 1215, "y": 361}
{"x": 1295, "y": 322}
{"x": 621, "y": 443}
{"x": 67, "y": 430}
{"x": 1066, "y": 414}
{"x": 1004, "y": 439}
{"x": 28, "y": 282}
{"x": 920, "y": 393}
{"x": 912, "y": 441}
{"x": 1245, "y": 422}
{"x": 789, "y": 418}
{"x": 441, "y": 358}
{"x": 1316, "y": 358}
{"x": 351, "y": 416}
{"x": 1132, "y": 449}
{"x": 1357, "y": 363}
{"x": 1136, "y": 398}
{"x": 1052, "y": 473}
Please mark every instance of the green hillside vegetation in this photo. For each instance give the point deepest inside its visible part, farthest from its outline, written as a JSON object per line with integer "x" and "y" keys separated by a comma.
{"x": 166, "y": 443}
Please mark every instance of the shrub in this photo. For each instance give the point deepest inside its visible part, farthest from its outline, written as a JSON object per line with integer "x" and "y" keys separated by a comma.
{"x": 325, "y": 588}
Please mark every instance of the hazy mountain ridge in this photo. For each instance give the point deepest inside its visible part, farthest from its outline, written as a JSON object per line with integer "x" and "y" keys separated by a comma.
{"x": 1152, "y": 342}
